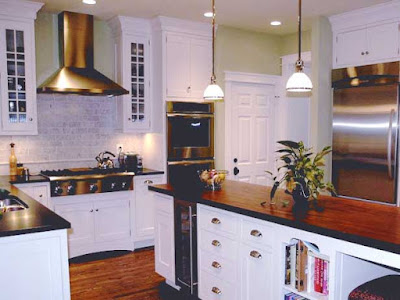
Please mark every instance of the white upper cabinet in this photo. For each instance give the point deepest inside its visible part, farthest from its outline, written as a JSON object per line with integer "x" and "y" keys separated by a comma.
{"x": 366, "y": 36}
{"x": 188, "y": 66}
{"x": 132, "y": 38}
{"x": 186, "y": 50}
{"x": 17, "y": 68}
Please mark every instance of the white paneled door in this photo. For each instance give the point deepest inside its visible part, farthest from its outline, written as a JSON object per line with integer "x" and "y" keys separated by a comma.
{"x": 251, "y": 130}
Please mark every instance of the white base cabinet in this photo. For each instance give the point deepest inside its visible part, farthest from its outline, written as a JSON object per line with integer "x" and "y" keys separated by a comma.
{"x": 164, "y": 240}
{"x": 144, "y": 210}
{"x": 35, "y": 266}
{"x": 40, "y": 191}
{"x": 99, "y": 222}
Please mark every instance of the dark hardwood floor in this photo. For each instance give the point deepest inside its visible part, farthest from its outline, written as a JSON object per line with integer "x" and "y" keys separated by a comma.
{"x": 118, "y": 275}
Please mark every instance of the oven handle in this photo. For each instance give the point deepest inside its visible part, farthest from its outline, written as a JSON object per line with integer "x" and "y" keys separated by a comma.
{"x": 191, "y": 116}
{"x": 190, "y": 162}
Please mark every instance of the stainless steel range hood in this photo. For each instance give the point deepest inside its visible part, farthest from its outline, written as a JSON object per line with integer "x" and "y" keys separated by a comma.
{"x": 77, "y": 74}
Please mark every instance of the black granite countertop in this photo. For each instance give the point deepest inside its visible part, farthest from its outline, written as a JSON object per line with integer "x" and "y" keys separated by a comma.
{"x": 31, "y": 179}
{"x": 146, "y": 171}
{"x": 36, "y": 218}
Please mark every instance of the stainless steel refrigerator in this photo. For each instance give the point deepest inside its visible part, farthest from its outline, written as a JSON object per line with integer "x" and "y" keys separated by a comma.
{"x": 365, "y": 132}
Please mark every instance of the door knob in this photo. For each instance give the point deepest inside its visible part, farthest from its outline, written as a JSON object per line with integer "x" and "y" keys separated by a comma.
{"x": 235, "y": 171}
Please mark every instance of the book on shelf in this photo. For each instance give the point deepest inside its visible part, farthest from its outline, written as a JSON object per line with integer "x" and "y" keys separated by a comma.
{"x": 293, "y": 296}
{"x": 305, "y": 268}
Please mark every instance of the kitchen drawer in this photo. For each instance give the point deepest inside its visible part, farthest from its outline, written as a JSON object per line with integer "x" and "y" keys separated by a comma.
{"x": 256, "y": 232}
{"x": 218, "y": 266}
{"x": 217, "y": 220}
{"x": 213, "y": 288}
{"x": 218, "y": 244}
{"x": 163, "y": 203}
{"x": 145, "y": 181}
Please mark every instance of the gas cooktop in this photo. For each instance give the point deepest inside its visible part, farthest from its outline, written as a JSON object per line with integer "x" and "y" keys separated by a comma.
{"x": 78, "y": 181}
{"x": 84, "y": 173}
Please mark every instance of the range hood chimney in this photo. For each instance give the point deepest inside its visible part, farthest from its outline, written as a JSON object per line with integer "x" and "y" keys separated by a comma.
{"x": 77, "y": 74}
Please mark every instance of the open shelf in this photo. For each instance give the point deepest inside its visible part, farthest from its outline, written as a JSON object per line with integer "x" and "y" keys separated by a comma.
{"x": 302, "y": 265}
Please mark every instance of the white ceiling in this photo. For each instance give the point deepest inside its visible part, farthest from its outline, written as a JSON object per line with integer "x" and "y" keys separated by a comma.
{"x": 246, "y": 14}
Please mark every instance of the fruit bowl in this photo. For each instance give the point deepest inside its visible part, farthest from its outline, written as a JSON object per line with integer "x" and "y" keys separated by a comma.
{"x": 212, "y": 179}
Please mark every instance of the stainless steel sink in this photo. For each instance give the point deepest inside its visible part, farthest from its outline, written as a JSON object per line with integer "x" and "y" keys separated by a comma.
{"x": 12, "y": 203}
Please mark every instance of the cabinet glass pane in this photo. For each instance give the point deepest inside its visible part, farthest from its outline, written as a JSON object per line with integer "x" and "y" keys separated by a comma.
{"x": 16, "y": 79}
{"x": 10, "y": 67}
{"x": 138, "y": 75}
{"x": 10, "y": 40}
{"x": 20, "y": 68}
{"x": 20, "y": 41}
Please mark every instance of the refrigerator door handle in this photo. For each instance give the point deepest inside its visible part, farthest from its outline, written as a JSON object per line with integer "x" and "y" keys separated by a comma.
{"x": 389, "y": 144}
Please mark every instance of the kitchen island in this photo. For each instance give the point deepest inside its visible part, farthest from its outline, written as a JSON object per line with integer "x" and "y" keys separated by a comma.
{"x": 360, "y": 240}
{"x": 33, "y": 249}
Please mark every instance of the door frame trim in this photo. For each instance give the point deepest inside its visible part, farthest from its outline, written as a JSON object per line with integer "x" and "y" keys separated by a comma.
{"x": 232, "y": 78}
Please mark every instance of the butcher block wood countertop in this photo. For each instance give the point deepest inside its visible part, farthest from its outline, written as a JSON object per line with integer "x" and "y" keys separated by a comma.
{"x": 365, "y": 223}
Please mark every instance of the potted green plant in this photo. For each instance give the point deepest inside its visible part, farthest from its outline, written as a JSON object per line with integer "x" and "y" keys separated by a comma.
{"x": 302, "y": 173}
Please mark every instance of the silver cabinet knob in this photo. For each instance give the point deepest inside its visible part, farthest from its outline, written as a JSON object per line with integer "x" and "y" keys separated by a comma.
{"x": 362, "y": 53}
{"x": 40, "y": 196}
{"x": 30, "y": 119}
{"x": 188, "y": 89}
{"x": 256, "y": 233}
{"x": 367, "y": 52}
{"x": 97, "y": 209}
{"x": 216, "y": 265}
{"x": 255, "y": 254}
{"x": 216, "y": 290}
{"x": 91, "y": 210}
{"x": 216, "y": 243}
{"x": 148, "y": 182}
{"x": 215, "y": 221}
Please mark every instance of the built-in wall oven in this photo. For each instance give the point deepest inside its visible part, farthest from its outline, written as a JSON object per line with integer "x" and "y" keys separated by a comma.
{"x": 190, "y": 131}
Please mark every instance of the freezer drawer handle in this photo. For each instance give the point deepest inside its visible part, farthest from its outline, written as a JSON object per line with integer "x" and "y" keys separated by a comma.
{"x": 216, "y": 265}
{"x": 389, "y": 144}
{"x": 216, "y": 243}
{"x": 148, "y": 182}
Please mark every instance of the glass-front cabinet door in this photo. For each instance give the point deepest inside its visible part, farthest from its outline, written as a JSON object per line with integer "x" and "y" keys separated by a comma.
{"x": 137, "y": 80}
{"x": 18, "y": 95}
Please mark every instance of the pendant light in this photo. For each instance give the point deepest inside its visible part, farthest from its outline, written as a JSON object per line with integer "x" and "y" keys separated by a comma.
{"x": 213, "y": 92}
{"x": 299, "y": 81}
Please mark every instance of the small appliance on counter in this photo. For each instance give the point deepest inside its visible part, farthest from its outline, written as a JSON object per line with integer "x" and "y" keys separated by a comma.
{"x": 132, "y": 162}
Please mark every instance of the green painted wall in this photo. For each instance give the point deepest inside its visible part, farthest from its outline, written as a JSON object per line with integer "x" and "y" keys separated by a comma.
{"x": 289, "y": 43}
{"x": 47, "y": 60}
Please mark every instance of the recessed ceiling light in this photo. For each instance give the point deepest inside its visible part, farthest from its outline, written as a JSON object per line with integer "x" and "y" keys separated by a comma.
{"x": 89, "y": 1}
{"x": 208, "y": 14}
{"x": 276, "y": 23}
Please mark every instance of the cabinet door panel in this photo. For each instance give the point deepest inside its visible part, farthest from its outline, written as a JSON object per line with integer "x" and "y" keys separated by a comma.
{"x": 112, "y": 220}
{"x": 18, "y": 90}
{"x": 350, "y": 46}
{"x": 81, "y": 217}
{"x": 178, "y": 66}
{"x": 256, "y": 273}
{"x": 40, "y": 193}
{"x": 383, "y": 42}
{"x": 164, "y": 242}
{"x": 144, "y": 207}
{"x": 200, "y": 66}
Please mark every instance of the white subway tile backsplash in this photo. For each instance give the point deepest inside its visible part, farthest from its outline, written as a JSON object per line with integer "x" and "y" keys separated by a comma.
{"x": 72, "y": 131}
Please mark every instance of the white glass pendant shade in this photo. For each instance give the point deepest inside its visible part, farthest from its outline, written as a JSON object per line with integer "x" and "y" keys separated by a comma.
{"x": 213, "y": 93}
{"x": 299, "y": 82}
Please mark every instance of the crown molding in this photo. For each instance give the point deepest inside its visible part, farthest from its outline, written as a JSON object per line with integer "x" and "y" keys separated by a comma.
{"x": 182, "y": 26}
{"x": 385, "y": 12}
{"x": 129, "y": 25}
{"x": 19, "y": 9}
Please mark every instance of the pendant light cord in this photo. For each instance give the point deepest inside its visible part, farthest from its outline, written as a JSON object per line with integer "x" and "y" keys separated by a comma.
{"x": 299, "y": 21}
{"x": 213, "y": 78}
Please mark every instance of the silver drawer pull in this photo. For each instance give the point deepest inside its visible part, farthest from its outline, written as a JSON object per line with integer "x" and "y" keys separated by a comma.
{"x": 256, "y": 233}
{"x": 216, "y": 265}
{"x": 216, "y": 243}
{"x": 255, "y": 254}
{"x": 215, "y": 221}
{"x": 148, "y": 182}
{"x": 216, "y": 290}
